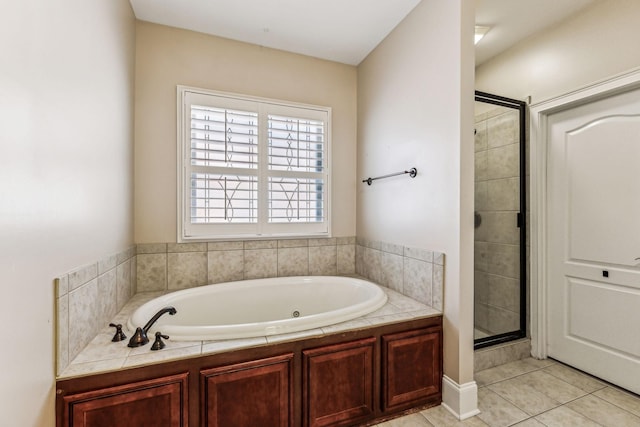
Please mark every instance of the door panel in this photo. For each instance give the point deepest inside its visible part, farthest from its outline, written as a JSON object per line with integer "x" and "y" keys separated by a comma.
{"x": 593, "y": 180}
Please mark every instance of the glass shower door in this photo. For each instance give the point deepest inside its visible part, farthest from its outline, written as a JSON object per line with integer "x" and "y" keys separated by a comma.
{"x": 500, "y": 251}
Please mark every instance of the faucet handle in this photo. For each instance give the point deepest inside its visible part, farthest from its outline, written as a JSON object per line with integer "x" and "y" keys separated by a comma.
{"x": 158, "y": 344}
{"x": 119, "y": 336}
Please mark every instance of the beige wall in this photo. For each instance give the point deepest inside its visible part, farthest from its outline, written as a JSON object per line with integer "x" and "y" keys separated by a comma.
{"x": 167, "y": 57}
{"x": 66, "y": 173}
{"x": 415, "y": 109}
{"x": 597, "y": 43}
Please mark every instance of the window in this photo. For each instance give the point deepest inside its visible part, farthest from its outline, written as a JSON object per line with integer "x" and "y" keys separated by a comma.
{"x": 251, "y": 167}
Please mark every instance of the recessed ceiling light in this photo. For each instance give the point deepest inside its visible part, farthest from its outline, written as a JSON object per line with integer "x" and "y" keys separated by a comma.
{"x": 480, "y": 32}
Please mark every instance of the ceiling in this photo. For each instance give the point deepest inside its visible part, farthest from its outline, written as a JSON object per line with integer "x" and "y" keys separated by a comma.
{"x": 344, "y": 30}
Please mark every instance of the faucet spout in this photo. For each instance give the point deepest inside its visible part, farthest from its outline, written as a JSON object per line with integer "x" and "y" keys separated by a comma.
{"x": 140, "y": 336}
{"x": 170, "y": 310}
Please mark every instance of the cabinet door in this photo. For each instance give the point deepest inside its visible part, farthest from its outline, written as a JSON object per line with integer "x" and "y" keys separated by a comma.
{"x": 411, "y": 368}
{"x": 338, "y": 383}
{"x": 154, "y": 403}
{"x": 250, "y": 394}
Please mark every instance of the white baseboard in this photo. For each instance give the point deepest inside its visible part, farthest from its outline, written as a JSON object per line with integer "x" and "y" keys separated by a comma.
{"x": 460, "y": 399}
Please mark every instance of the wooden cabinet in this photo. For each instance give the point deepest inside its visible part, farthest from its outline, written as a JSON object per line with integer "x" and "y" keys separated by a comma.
{"x": 348, "y": 378}
{"x": 160, "y": 402}
{"x": 256, "y": 393}
{"x": 338, "y": 383}
{"x": 412, "y": 368}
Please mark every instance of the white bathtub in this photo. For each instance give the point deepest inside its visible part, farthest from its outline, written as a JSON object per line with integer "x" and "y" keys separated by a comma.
{"x": 261, "y": 307}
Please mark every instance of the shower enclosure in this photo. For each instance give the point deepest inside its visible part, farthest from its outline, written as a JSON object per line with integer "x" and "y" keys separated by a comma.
{"x": 500, "y": 232}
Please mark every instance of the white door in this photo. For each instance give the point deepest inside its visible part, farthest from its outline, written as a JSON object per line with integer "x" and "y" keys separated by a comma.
{"x": 593, "y": 195}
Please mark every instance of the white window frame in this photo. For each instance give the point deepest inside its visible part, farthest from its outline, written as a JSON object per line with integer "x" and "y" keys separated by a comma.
{"x": 262, "y": 229}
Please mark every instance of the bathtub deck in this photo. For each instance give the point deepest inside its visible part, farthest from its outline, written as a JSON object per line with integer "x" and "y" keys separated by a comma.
{"x": 102, "y": 355}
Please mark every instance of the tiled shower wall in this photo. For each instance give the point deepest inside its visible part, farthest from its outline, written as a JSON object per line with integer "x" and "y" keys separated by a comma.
{"x": 497, "y": 239}
{"x": 90, "y": 296}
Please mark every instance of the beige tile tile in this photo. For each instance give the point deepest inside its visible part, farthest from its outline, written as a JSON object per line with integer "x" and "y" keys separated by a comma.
{"x": 418, "y": 280}
{"x": 539, "y": 363}
{"x": 392, "y": 271}
{"x": 107, "y": 263}
{"x": 496, "y": 411}
{"x": 332, "y": 241}
{"x": 531, "y": 422}
{"x": 225, "y": 266}
{"x": 151, "y": 248}
{"x": 604, "y": 412}
{"x": 438, "y": 416}
{"x": 346, "y": 240}
{"x": 225, "y": 345}
{"x": 504, "y": 372}
{"x": 503, "y": 162}
{"x": 151, "y": 272}
{"x": 186, "y": 247}
{"x": 503, "y": 129}
{"x": 346, "y": 259}
{"x": 419, "y": 253}
{"x": 260, "y": 244}
{"x": 322, "y": 260}
{"x": 552, "y": 386}
{"x": 107, "y": 303}
{"x": 186, "y": 270}
{"x": 62, "y": 338}
{"x": 526, "y": 397}
{"x": 621, "y": 399}
{"x": 413, "y": 420}
{"x": 437, "y": 287}
{"x": 501, "y": 354}
{"x": 83, "y": 305}
{"x": 293, "y": 243}
{"x": 93, "y": 367}
{"x": 578, "y": 379}
{"x": 101, "y": 348}
{"x": 565, "y": 417}
{"x": 260, "y": 263}
{"x": 123, "y": 284}
{"x": 225, "y": 246}
{"x": 162, "y": 355}
{"x": 82, "y": 275}
{"x": 293, "y": 261}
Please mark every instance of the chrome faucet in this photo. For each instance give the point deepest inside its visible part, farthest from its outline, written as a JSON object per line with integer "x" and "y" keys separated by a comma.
{"x": 140, "y": 336}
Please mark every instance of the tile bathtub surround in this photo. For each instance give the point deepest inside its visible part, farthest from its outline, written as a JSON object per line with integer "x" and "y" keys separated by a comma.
{"x": 87, "y": 298}
{"x": 102, "y": 355}
{"x": 416, "y": 273}
{"x": 171, "y": 266}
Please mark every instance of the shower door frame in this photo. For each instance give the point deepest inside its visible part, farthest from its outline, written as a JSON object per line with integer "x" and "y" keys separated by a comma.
{"x": 520, "y": 106}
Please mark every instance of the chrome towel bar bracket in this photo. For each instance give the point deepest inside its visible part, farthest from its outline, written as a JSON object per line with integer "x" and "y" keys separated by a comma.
{"x": 412, "y": 173}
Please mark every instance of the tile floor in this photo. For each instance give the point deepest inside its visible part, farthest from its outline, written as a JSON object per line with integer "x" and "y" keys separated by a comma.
{"x": 537, "y": 393}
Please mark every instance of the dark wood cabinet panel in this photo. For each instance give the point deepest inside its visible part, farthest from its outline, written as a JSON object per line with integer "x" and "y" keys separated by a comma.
{"x": 412, "y": 368}
{"x": 338, "y": 383}
{"x": 256, "y": 393}
{"x": 154, "y": 403}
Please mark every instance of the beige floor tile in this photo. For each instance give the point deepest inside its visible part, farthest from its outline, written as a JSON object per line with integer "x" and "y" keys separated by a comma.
{"x": 440, "y": 417}
{"x": 524, "y": 396}
{"x": 551, "y": 386}
{"x": 413, "y": 420}
{"x": 496, "y": 411}
{"x": 506, "y": 371}
{"x": 621, "y": 399}
{"x": 576, "y": 378}
{"x": 604, "y": 412}
{"x": 565, "y": 417}
{"x": 540, "y": 363}
{"x": 531, "y": 422}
